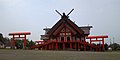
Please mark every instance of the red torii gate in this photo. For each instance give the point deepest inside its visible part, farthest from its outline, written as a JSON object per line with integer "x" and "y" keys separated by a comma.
{"x": 18, "y": 35}
{"x": 96, "y": 39}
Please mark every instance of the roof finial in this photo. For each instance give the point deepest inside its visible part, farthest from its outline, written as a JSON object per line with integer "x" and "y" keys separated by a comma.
{"x": 64, "y": 14}
{"x": 70, "y": 12}
{"x": 58, "y": 12}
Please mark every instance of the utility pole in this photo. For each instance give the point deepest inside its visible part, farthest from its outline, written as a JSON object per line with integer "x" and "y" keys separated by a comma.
{"x": 113, "y": 43}
{"x": 110, "y": 42}
{"x": 113, "y": 40}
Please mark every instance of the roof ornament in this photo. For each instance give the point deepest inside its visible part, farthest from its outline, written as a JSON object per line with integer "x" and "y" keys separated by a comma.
{"x": 58, "y": 13}
{"x": 64, "y": 15}
{"x": 70, "y": 12}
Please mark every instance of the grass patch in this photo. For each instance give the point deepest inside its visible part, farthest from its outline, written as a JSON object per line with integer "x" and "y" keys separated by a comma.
{"x": 56, "y": 55}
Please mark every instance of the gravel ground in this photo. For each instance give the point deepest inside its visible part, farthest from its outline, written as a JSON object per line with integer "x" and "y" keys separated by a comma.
{"x": 57, "y": 55}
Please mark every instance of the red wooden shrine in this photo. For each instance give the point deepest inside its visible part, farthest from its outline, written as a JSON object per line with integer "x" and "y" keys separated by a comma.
{"x": 66, "y": 35}
{"x": 18, "y": 35}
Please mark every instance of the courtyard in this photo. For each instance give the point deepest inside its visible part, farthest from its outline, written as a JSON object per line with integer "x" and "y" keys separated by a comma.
{"x": 57, "y": 55}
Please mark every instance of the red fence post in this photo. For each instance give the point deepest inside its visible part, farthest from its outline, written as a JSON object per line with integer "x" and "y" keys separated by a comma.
{"x": 75, "y": 45}
{"x": 25, "y": 42}
{"x": 13, "y": 43}
{"x": 56, "y": 45}
{"x": 63, "y": 45}
{"x": 84, "y": 47}
{"x": 71, "y": 45}
{"x": 103, "y": 43}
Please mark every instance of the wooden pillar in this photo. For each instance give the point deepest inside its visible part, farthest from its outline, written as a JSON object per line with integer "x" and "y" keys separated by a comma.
{"x": 103, "y": 43}
{"x": 65, "y": 35}
{"x": 48, "y": 46}
{"x": 63, "y": 45}
{"x": 78, "y": 45}
{"x": 56, "y": 45}
{"x": 19, "y": 36}
{"x": 96, "y": 48}
{"x": 24, "y": 41}
{"x": 84, "y": 47}
{"x": 65, "y": 38}
{"x": 70, "y": 45}
{"x": 13, "y": 43}
{"x": 45, "y": 47}
{"x": 52, "y": 46}
{"x": 42, "y": 48}
{"x": 99, "y": 49}
{"x": 90, "y": 44}
{"x": 75, "y": 45}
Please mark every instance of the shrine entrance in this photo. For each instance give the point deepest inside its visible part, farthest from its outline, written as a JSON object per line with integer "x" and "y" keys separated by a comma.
{"x": 18, "y": 35}
{"x": 97, "y": 39}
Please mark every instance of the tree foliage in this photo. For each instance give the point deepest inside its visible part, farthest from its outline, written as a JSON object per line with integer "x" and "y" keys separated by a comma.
{"x": 20, "y": 43}
{"x": 115, "y": 46}
{"x": 4, "y": 40}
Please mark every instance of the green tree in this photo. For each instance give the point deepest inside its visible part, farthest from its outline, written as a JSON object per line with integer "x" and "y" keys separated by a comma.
{"x": 114, "y": 46}
{"x": 1, "y": 38}
{"x": 19, "y": 43}
{"x": 32, "y": 43}
{"x": 4, "y": 40}
{"x": 106, "y": 46}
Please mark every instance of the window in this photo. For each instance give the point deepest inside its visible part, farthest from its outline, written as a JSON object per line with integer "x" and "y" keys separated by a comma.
{"x": 62, "y": 38}
{"x": 68, "y": 38}
{"x": 68, "y": 33}
{"x": 62, "y": 34}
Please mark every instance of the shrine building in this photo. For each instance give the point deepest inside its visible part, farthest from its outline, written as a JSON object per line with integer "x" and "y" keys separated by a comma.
{"x": 66, "y": 35}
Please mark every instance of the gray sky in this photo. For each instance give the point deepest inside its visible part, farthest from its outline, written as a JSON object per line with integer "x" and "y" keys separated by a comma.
{"x": 34, "y": 15}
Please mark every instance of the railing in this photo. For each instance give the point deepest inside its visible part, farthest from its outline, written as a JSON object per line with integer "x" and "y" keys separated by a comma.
{"x": 43, "y": 43}
{"x": 63, "y": 41}
{"x": 49, "y": 41}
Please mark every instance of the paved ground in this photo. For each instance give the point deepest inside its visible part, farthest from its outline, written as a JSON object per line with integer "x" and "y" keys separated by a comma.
{"x": 57, "y": 55}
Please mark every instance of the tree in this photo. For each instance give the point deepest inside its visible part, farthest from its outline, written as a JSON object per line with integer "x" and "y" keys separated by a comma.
{"x": 19, "y": 43}
{"x": 114, "y": 46}
{"x": 1, "y": 38}
{"x": 32, "y": 43}
{"x": 106, "y": 46}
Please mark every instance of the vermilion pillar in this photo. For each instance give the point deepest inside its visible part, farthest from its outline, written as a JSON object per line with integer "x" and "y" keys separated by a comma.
{"x": 13, "y": 43}
{"x": 90, "y": 44}
{"x": 84, "y": 47}
{"x": 63, "y": 45}
{"x": 56, "y": 45}
{"x": 52, "y": 45}
{"x": 103, "y": 43}
{"x": 25, "y": 41}
{"x": 45, "y": 47}
{"x": 71, "y": 45}
{"x": 78, "y": 45}
{"x": 75, "y": 45}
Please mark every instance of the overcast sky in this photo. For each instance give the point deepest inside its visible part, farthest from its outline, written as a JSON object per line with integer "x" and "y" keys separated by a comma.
{"x": 34, "y": 15}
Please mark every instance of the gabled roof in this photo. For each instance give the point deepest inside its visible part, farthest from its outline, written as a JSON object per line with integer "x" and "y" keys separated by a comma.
{"x": 86, "y": 29}
{"x": 68, "y": 21}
